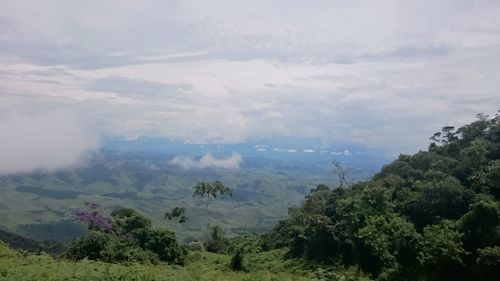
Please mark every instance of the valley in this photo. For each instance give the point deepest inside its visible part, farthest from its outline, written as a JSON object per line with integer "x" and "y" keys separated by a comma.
{"x": 41, "y": 206}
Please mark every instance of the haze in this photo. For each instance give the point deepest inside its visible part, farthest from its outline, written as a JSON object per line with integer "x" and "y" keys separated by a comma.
{"x": 378, "y": 74}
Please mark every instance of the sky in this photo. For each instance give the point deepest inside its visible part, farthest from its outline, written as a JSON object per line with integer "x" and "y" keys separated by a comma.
{"x": 380, "y": 74}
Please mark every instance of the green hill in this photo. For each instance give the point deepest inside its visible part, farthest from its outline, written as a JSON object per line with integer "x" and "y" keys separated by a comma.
{"x": 434, "y": 215}
{"x": 41, "y": 206}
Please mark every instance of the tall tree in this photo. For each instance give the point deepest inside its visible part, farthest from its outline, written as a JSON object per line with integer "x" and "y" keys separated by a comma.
{"x": 211, "y": 190}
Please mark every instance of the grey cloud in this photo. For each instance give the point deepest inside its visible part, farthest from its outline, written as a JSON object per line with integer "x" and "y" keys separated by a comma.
{"x": 123, "y": 85}
{"x": 410, "y": 51}
{"x": 208, "y": 161}
{"x": 373, "y": 73}
{"x": 89, "y": 38}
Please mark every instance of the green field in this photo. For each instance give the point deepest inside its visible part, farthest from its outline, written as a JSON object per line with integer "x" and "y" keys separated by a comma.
{"x": 199, "y": 266}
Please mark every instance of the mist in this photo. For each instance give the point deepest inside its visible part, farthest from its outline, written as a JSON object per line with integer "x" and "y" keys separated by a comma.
{"x": 44, "y": 142}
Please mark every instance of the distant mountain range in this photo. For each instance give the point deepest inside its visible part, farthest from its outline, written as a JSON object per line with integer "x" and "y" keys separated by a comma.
{"x": 308, "y": 150}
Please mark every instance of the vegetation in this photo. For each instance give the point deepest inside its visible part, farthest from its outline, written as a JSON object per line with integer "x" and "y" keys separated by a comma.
{"x": 210, "y": 191}
{"x": 262, "y": 191}
{"x": 130, "y": 239}
{"x": 268, "y": 266}
{"x": 16, "y": 241}
{"x": 177, "y": 214}
{"x": 434, "y": 215}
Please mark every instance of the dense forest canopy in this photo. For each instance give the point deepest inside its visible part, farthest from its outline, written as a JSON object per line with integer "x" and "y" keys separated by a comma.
{"x": 433, "y": 215}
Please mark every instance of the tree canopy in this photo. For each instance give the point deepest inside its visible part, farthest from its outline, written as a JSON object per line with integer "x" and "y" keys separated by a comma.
{"x": 433, "y": 215}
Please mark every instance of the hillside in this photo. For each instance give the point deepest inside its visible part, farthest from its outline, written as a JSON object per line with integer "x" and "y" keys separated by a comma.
{"x": 434, "y": 215}
{"x": 207, "y": 266}
{"x": 41, "y": 206}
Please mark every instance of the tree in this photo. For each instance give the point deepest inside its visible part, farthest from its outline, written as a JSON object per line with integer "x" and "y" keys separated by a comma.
{"x": 442, "y": 252}
{"x": 341, "y": 173}
{"x": 177, "y": 213}
{"x": 132, "y": 239}
{"x": 437, "y": 199}
{"x": 127, "y": 220}
{"x": 161, "y": 242}
{"x": 446, "y": 136}
{"x": 488, "y": 263}
{"x": 94, "y": 218}
{"x": 210, "y": 191}
{"x": 236, "y": 263}
{"x": 487, "y": 179}
{"x": 481, "y": 224}
{"x": 216, "y": 242}
{"x": 387, "y": 241}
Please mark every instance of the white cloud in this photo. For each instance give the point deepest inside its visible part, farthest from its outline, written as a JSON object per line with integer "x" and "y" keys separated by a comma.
{"x": 308, "y": 150}
{"x": 261, "y": 149}
{"x": 347, "y": 153}
{"x": 208, "y": 161}
{"x": 288, "y": 150}
{"x": 43, "y": 141}
{"x": 336, "y": 153}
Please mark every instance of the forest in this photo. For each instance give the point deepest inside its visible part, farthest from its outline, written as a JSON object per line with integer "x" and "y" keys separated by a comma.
{"x": 433, "y": 215}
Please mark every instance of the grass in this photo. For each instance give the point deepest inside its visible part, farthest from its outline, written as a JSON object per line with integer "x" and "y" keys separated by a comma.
{"x": 267, "y": 266}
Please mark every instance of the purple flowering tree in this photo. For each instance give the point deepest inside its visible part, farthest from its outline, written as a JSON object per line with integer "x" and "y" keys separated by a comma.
{"x": 94, "y": 219}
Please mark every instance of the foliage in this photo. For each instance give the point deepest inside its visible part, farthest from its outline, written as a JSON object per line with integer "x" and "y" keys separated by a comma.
{"x": 19, "y": 242}
{"x": 488, "y": 263}
{"x": 133, "y": 239}
{"x": 236, "y": 263}
{"x": 177, "y": 213}
{"x": 90, "y": 246}
{"x": 126, "y": 220}
{"x": 94, "y": 219}
{"x": 162, "y": 242}
{"x": 387, "y": 242}
{"x": 433, "y": 215}
{"x": 244, "y": 242}
{"x": 442, "y": 253}
{"x": 215, "y": 241}
{"x": 210, "y": 190}
{"x": 268, "y": 266}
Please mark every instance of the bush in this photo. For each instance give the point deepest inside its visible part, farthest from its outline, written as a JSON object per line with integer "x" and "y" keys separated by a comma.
{"x": 246, "y": 243}
{"x": 91, "y": 246}
{"x": 133, "y": 240}
{"x": 161, "y": 242}
{"x": 488, "y": 263}
{"x": 237, "y": 261}
{"x": 216, "y": 242}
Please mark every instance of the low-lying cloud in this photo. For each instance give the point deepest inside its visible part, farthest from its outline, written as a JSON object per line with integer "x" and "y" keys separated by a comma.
{"x": 45, "y": 142}
{"x": 208, "y": 161}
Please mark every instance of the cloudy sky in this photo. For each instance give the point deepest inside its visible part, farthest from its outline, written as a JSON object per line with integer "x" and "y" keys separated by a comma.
{"x": 382, "y": 74}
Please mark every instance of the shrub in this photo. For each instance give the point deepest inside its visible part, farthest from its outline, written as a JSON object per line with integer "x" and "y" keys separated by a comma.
{"x": 91, "y": 246}
{"x": 488, "y": 263}
{"x": 161, "y": 242}
{"x": 237, "y": 261}
{"x": 216, "y": 242}
{"x": 132, "y": 240}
